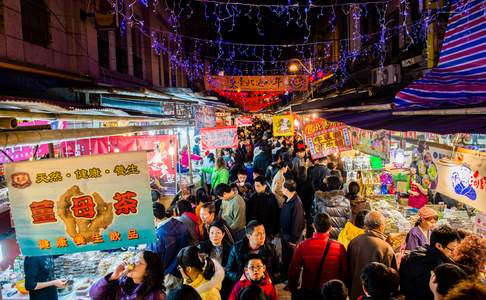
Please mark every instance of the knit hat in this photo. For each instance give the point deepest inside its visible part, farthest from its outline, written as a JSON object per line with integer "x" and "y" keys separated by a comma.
{"x": 427, "y": 212}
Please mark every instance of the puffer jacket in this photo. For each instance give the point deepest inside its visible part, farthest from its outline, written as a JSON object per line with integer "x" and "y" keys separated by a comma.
{"x": 335, "y": 204}
{"x": 349, "y": 233}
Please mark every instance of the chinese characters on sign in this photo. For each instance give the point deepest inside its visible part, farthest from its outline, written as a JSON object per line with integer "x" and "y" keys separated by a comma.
{"x": 219, "y": 138}
{"x": 325, "y": 138}
{"x": 283, "y": 83}
{"x": 87, "y": 203}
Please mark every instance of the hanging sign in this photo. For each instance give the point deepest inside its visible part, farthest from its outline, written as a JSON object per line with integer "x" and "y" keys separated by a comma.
{"x": 219, "y": 138}
{"x": 244, "y": 121}
{"x": 464, "y": 178}
{"x": 282, "y": 83}
{"x": 283, "y": 125}
{"x": 86, "y": 203}
{"x": 376, "y": 143}
{"x": 325, "y": 138}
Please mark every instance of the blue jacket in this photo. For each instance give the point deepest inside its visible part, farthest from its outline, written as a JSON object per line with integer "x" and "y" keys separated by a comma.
{"x": 172, "y": 236}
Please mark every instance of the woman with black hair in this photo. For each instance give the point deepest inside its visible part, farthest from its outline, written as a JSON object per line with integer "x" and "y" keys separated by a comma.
{"x": 358, "y": 203}
{"x": 200, "y": 272}
{"x": 138, "y": 280}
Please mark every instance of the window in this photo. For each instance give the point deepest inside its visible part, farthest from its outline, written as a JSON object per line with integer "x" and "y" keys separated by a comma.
{"x": 137, "y": 53}
{"x": 121, "y": 52}
{"x": 35, "y": 22}
{"x": 103, "y": 49}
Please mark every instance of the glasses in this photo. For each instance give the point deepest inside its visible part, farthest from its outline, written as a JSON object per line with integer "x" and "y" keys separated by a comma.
{"x": 452, "y": 250}
{"x": 255, "y": 268}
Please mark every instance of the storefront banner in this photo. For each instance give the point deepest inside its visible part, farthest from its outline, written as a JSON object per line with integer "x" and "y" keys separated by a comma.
{"x": 85, "y": 203}
{"x": 244, "y": 121}
{"x": 278, "y": 83}
{"x": 325, "y": 138}
{"x": 376, "y": 143}
{"x": 21, "y": 153}
{"x": 283, "y": 125}
{"x": 219, "y": 138}
{"x": 464, "y": 178}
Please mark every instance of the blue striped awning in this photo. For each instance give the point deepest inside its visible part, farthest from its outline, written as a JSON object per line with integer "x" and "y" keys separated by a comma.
{"x": 460, "y": 77}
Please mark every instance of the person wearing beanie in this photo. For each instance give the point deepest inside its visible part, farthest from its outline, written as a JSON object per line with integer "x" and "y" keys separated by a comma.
{"x": 419, "y": 236}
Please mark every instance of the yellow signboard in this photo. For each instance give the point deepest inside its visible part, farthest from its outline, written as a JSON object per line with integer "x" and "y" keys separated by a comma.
{"x": 283, "y": 125}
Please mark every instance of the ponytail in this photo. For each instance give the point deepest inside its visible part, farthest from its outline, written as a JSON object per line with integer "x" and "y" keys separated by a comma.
{"x": 209, "y": 269}
{"x": 191, "y": 256}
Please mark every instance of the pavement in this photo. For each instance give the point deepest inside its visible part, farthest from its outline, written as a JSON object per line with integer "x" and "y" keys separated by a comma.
{"x": 282, "y": 295}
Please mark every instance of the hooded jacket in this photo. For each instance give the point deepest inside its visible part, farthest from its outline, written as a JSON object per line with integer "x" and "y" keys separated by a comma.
{"x": 266, "y": 286}
{"x": 209, "y": 289}
{"x": 349, "y": 233}
{"x": 335, "y": 204}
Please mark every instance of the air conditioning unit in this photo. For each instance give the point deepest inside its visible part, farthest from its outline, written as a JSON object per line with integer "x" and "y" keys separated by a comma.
{"x": 387, "y": 75}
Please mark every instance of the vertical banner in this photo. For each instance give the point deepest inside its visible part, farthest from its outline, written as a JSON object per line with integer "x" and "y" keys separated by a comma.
{"x": 464, "y": 178}
{"x": 219, "y": 138}
{"x": 325, "y": 138}
{"x": 85, "y": 203}
{"x": 283, "y": 125}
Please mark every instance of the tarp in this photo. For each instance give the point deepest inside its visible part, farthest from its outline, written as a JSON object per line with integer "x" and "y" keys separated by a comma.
{"x": 460, "y": 77}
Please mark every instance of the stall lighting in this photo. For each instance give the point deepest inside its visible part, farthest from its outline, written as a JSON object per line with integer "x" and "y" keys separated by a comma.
{"x": 293, "y": 67}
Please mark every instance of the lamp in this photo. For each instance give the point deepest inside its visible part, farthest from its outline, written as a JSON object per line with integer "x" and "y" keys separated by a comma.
{"x": 295, "y": 64}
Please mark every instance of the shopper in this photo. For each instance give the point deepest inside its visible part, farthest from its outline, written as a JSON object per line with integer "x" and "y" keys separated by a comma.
{"x": 208, "y": 215}
{"x": 255, "y": 274}
{"x": 185, "y": 214}
{"x": 305, "y": 190}
{"x": 39, "y": 278}
{"x": 418, "y": 195}
{"x": 319, "y": 259}
{"x": 201, "y": 272}
{"x": 233, "y": 208}
{"x": 367, "y": 248}
{"x": 217, "y": 247}
{"x": 318, "y": 173}
{"x": 444, "y": 278}
{"x": 245, "y": 189}
{"x": 278, "y": 182}
{"x": 262, "y": 158}
{"x": 299, "y": 159}
{"x": 172, "y": 235}
{"x": 333, "y": 203}
{"x": 273, "y": 168}
{"x": 140, "y": 279}
{"x": 379, "y": 282}
{"x": 292, "y": 221}
{"x": 219, "y": 173}
{"x": 263, "y": 207}
{"x": 470, "y": 254}
{"x": 351, "y": 231}
{"x": 467, "y": 290}
{"x": 252, "y": 292}
{"x": 185, "y": 161}
{"x": 415, "y": 268}
{"x": 419, "y": 235}
{"x": 358, "y": 203}
{"x": 334, "y": 290}
{"x": 208, "y": 163}
{"x": 253, "y": 242}
{"x": 184, "y": 292}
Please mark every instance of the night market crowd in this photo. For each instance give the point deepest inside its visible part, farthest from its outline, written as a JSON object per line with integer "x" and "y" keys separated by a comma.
{"x": 288, "y": 219}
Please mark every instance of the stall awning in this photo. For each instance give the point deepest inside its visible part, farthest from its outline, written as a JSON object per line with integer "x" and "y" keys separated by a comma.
{"x": 460, "y": 77}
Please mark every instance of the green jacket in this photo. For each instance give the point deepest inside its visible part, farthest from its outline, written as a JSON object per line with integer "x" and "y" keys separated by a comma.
{"x": 233, "y": 212}
{"x": 217, "y": 176}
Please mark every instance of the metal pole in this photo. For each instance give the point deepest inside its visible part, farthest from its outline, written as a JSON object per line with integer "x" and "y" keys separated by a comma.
{"x": 189, "y": 152}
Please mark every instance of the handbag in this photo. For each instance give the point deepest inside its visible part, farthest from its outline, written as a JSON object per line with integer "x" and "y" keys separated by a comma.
{"x": 314, "y": 293}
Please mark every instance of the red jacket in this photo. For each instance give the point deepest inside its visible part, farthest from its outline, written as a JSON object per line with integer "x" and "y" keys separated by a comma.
{"x": 266, "y": 286}
{"x": 309, "y": 254}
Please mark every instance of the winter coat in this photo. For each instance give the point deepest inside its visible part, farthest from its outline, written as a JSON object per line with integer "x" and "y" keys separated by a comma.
{"x": 349, "y": 233}
{"x": 358, "y": 205}
{"x": 233, "y": 212}
{"x": 217, "y": 176}
{"x": 261, "y": 161}
{"x": 193, "y": 224}
{"x": 121, "y": 289}
{"x": 244, "y": 190}
{"x": 263, "y": 207}
{"x": 364, "y": 249}
{"x": 336, "y": 206}
{"x": 317, "y": 175}
{"x": 209, "y": 289}
{"x": 292, "y": 220}
{"x": 228, "y": 233}
{"x": 236, "y": 261}
{"x": 305, "y": 190}
{"x": 308, "y": 255}
{"x": 172, "y": 235}
{"x": 271, "y": 172}
{"x": 277, "y": 186}
{"x": 207, "y": 247}
{"x": 415, "y": 271}
{"x": 266, "y": 286}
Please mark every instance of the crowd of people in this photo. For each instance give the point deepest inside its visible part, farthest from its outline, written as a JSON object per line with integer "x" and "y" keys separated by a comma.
{"x": 290, "y": 220}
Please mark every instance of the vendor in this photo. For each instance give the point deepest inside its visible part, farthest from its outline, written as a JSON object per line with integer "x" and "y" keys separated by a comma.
{"x": 419, "y": 236}
{"x": 39, "y": 278}
{"x": 418, "y": 195}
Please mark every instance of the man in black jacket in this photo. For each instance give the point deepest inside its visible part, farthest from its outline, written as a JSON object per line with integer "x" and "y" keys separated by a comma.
{"x": 263, "y": 207}
{"x": 318, "y": 173}
{"x": 416, "y": 267}
{"x": 253, "y": 242}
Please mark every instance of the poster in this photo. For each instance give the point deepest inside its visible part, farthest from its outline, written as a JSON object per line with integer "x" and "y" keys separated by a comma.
{"x": 86, "y": 203}
{"x": 325, "y": 138}
{"x": 464, "y": 178}
{"x": 376, "y": 143}
{"x": 219, "y": 138}
{"x": 244, "y": 121}
{"x": 277, "y": 83}
{"x": 283, "y": 125}
{"x": 205, "y": 117}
